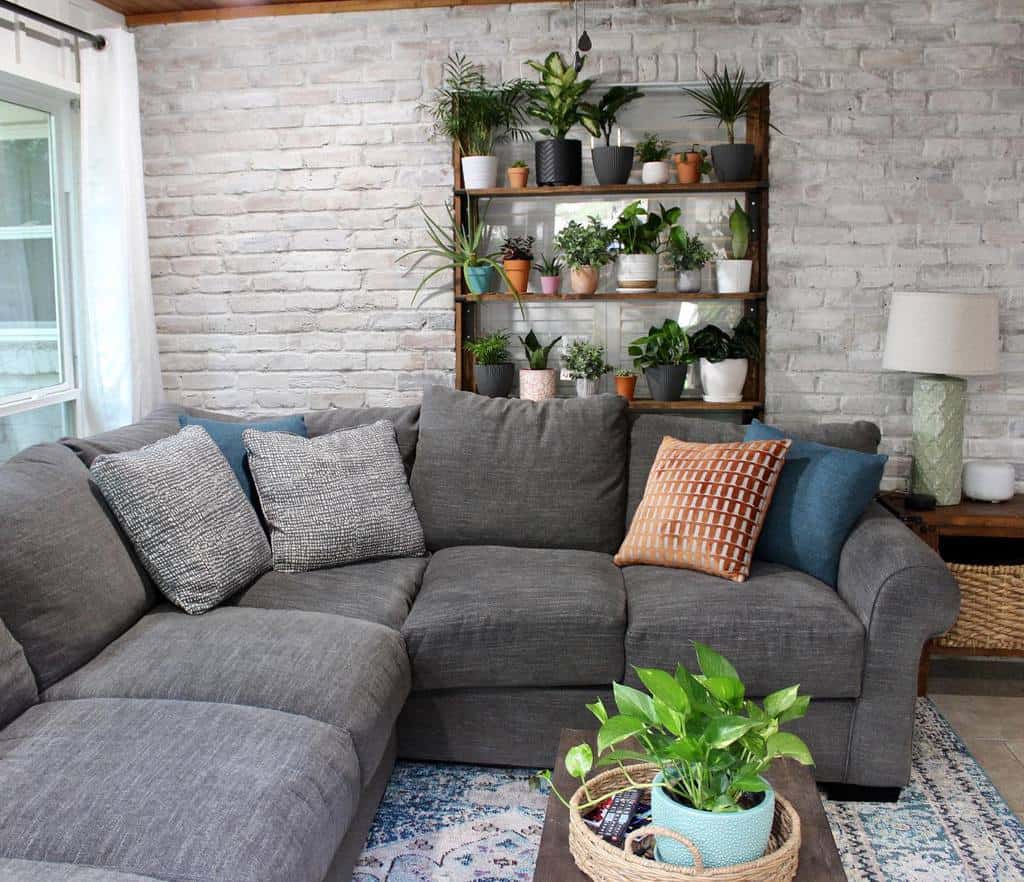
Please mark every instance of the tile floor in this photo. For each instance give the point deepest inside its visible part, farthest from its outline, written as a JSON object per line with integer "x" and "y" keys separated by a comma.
{"x": 984, "y": 702}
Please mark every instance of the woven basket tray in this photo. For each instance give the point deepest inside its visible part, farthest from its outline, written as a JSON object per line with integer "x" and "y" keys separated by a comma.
{"x": 991, "y": 608}
{"x": 603, "y": 862}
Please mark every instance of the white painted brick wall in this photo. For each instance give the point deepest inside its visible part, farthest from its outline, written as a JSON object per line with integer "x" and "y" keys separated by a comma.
{"x": 284, "y": 157}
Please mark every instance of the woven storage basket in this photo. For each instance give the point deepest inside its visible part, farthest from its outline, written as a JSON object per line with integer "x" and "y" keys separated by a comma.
{"x": 603, "y": 862}
{"x": 991, "y": 608}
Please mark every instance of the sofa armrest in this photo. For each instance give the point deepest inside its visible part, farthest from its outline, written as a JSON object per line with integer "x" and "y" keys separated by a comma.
{"x": 904, "y": 595}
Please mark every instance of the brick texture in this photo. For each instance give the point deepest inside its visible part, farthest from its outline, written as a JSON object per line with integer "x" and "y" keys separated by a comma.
{"x": 284, "y": 157}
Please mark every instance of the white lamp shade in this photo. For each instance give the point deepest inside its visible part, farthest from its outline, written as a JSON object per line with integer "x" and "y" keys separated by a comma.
{"x": 943, "y": 333}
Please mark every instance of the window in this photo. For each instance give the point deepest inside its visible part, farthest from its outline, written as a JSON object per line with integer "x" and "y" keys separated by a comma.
{"x": 37, "y": 376}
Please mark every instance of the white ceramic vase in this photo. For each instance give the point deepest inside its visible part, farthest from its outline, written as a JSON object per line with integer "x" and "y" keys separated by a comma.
{"x": 688, "y": 281}
{"x": 479, "y": 172}
{"x": 655, "y": 173}
{"x": 722, "y": 381}
{"x": 586, "y": 388}
{"x": 733, "y": 276}
{"x": 636, "y": 273}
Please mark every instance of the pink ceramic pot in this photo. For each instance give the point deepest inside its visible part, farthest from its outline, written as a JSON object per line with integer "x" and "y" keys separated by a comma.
{"x": 550, "y": 284}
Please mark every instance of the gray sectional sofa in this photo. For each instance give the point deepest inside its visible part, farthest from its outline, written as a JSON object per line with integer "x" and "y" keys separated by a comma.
{"x": 253, "y": 743}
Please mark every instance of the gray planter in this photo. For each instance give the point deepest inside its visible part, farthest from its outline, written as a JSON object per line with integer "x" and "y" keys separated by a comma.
{"x": 494, "y": 380}
{"x": 612, "y": 165}
{"x": 666, "y": 381}
{"x": 733, "y": 162}
{"x": 559, "y": 162}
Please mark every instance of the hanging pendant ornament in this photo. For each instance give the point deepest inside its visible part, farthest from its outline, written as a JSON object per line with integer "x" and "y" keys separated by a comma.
{"x": 583, "y": 43}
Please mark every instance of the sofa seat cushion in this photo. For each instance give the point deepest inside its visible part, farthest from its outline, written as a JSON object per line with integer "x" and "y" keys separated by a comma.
{"x": 351, "y": 674}
{"x": 778, "y": 628}
{"x": 17, "y": 685}
{"x": 495, "y": 616}
{"x": 176, "y": 790}
{"x": 380, "y": 591}
{"x": 17, "y": 870}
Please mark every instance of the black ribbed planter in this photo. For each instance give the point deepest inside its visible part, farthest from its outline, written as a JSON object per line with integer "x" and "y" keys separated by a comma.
{"x": 612, "y": 165}
{"x": 559, "y": 162}
{"x": 733, "y": 162}
{"x": 494, "y": 380}
{"x": 666, "y": 381}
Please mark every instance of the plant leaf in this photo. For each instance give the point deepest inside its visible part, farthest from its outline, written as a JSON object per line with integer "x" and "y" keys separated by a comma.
{"x": 598, "y": 709}
{"x": 781, "y": 701}
{"x": 579, "y": 760}
{"x": 722, "y": 731}
{"x": 663, "y": 686}
{"x": 711, "y": 663}
{"x": 633, "y": 702}
{"x": 616, "y": 729}
{"x": 788, "y": 744}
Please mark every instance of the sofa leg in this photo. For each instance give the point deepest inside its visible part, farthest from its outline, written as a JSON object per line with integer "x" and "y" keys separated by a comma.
{"x": 857, "y": 793}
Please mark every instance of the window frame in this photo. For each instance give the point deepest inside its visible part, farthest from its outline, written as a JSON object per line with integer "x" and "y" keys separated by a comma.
{"x": 64, "y": 179}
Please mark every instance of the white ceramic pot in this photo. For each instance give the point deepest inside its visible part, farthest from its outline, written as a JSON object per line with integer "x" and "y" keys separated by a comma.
{"x": 655, "y": 173}
{"x": 988, "y": 481}
{"x": 637, "y": 273}
{"x": 723, "y": 381}
{"x": 733, "y": 276}
{"x": 688, "y": 281}
{"x": 479, "y": 172}
{"x": 537, "y": 385}
{"x": 586, "y": 388}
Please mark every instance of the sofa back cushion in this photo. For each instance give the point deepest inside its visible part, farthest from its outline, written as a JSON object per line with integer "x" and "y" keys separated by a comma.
{"x": 69, "y": 583}
{"x": 648, "y": 430}
{"x": 499, "y": 471}
{"x": 406, "y": 421}
{"x": 17, "y": 685}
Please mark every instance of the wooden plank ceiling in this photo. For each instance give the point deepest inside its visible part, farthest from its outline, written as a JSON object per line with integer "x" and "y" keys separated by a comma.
{"x": 149, "y": 12}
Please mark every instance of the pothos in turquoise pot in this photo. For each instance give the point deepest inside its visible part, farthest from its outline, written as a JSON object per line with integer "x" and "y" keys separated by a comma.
{"x": 712, "y": 745}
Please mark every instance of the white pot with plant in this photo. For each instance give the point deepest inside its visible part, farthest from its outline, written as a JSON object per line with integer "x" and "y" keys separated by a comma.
{"x": 653, "y": 153}
{"x": 689, "y": 255}
{"x": 733, "y": 274}
{"x": 725, "y": 358}
{"x": 476, "y": 115}
{"x": 585, "y": 363}
{"x": 712, "y": 746}
{"x": 537, "y": 383}
{"x": 585, "y": 250}
{"x": 638, "y": 240}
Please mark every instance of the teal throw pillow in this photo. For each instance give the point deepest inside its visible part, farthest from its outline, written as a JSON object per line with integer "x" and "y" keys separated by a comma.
{"x": 821, "y": 494}
{"x": 228, "y": 437}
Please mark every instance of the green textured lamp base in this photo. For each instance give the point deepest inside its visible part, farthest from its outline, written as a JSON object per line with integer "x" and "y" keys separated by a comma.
{"x": 938, "y": 444}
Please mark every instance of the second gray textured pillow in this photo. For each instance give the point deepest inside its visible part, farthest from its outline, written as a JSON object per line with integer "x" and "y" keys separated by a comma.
{"x": 186, "y": 516}
{"x": 334, "y": 499}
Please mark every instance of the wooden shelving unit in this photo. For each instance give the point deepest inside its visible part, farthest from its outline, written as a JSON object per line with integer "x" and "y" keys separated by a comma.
{"x": 755, "y": 197}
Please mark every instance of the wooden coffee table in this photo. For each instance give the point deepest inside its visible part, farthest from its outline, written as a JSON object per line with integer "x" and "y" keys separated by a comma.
{"x": 819, "y": 859}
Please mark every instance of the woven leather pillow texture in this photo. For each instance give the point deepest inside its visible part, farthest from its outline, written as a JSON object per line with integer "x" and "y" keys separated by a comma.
{"x": 187, "y": 517}
{"x": 704, "y": 506}
{"x": 334, "y": 499}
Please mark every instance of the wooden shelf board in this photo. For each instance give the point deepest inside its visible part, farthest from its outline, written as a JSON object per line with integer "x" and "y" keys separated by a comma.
{"x": 616, "y": 190}
{"x": 531, "y": 297}
{"x": 693, "y": 404}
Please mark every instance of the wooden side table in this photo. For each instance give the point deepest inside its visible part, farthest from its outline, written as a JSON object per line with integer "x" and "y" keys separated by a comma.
{"x": 968, "y": 520}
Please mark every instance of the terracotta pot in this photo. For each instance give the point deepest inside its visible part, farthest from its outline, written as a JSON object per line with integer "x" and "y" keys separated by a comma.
{"x": 537, "y": 385}
{"x": 517, "y": 176}
{"x": 687, "y": 168}
{"x": 626, "y": 387}
{"x": 518, "y": 272}
{"x": 583, "y": 279}
{"x": 550, "y": 284}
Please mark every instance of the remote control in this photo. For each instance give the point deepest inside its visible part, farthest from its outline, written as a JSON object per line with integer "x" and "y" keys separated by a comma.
{"x": 615, "y": 823}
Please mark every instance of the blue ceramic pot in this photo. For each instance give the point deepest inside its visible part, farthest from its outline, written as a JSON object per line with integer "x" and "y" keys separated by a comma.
{"x": 722, "y": 838}
{"x": 478, "y": 279}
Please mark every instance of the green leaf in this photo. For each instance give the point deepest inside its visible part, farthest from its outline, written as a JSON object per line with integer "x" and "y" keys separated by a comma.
{"x": 728, "y": 690}
{"x": 669, "y": 718}
{"x": 751, "y": 784}
{"x": 798, "y": 709}
{"x": 579, "y": 760}
{"x": 712, "y": 664}
{"x": 781, "y": 701}
{"x": 616, "y": 729}
{"x": 723, "y": 731}
{"x": 599, "y": 710}
{"x": 614, "y": 757}
{"x": 633, "y": 702}
{"x": 662, "y": 685}
{"x": 788, "y": 744}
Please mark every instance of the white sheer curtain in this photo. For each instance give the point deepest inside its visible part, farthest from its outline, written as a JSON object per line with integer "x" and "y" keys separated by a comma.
{"x": 119, "y": 368}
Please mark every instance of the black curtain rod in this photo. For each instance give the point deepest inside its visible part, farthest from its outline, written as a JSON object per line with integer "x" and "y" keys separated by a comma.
{"x": 96, "y": 40}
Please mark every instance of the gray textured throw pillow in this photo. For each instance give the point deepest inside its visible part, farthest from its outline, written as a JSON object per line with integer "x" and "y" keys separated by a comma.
{"x": 334, "y": 499}
{"x": 186, "y": 515}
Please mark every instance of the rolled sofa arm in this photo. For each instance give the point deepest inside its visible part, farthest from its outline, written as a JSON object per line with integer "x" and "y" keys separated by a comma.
{"x": 904, "y": 595}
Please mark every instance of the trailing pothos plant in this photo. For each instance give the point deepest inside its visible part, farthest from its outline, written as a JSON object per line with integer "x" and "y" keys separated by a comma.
{"x": 666, "y": 345}
{"x": 709, "y": 740}
{"x": 715, "y": 345}
{"x": 638, "y": 230}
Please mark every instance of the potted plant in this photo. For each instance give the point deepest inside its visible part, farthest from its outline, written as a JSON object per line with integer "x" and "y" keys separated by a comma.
{"x": 550, "y": 269}
{"x": 724, "y": 358}
{"x": 664, "y": 356}
{"x": 688, "y": 254}
{"x": 637, "y": 233}
{"x": 459, "y": 246}
{"x": 476, "y": 115}
{"x": 652, "y": 152}
{"x": 690, "y": 166}
{"x": 586, "y": 365}
{"x": 585, "y": 249}
{"x": 494, "y": 371}
{"x": 727, "y": 99}
{"x": 517, "y": 255}
{"x": 538, "y": 382}
{"x": 733, "y": 275}
{"x": 625, "y": 383}
{"x": 518, "y": 174}
{"x": 555, "y": 101}
{"x": 711, "y": 745}
{"x": 612, "y": 165}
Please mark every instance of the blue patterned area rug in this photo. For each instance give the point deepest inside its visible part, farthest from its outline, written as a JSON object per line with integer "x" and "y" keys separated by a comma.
{"x": 451, "y": 823}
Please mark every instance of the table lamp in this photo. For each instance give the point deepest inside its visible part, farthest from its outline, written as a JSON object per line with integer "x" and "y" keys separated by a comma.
{"x": 941, "y": 337}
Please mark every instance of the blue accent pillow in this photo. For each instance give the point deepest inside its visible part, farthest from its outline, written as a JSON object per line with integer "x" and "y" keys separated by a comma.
{"x": 821, "y": 494}
{"x": 228, "y": 437}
